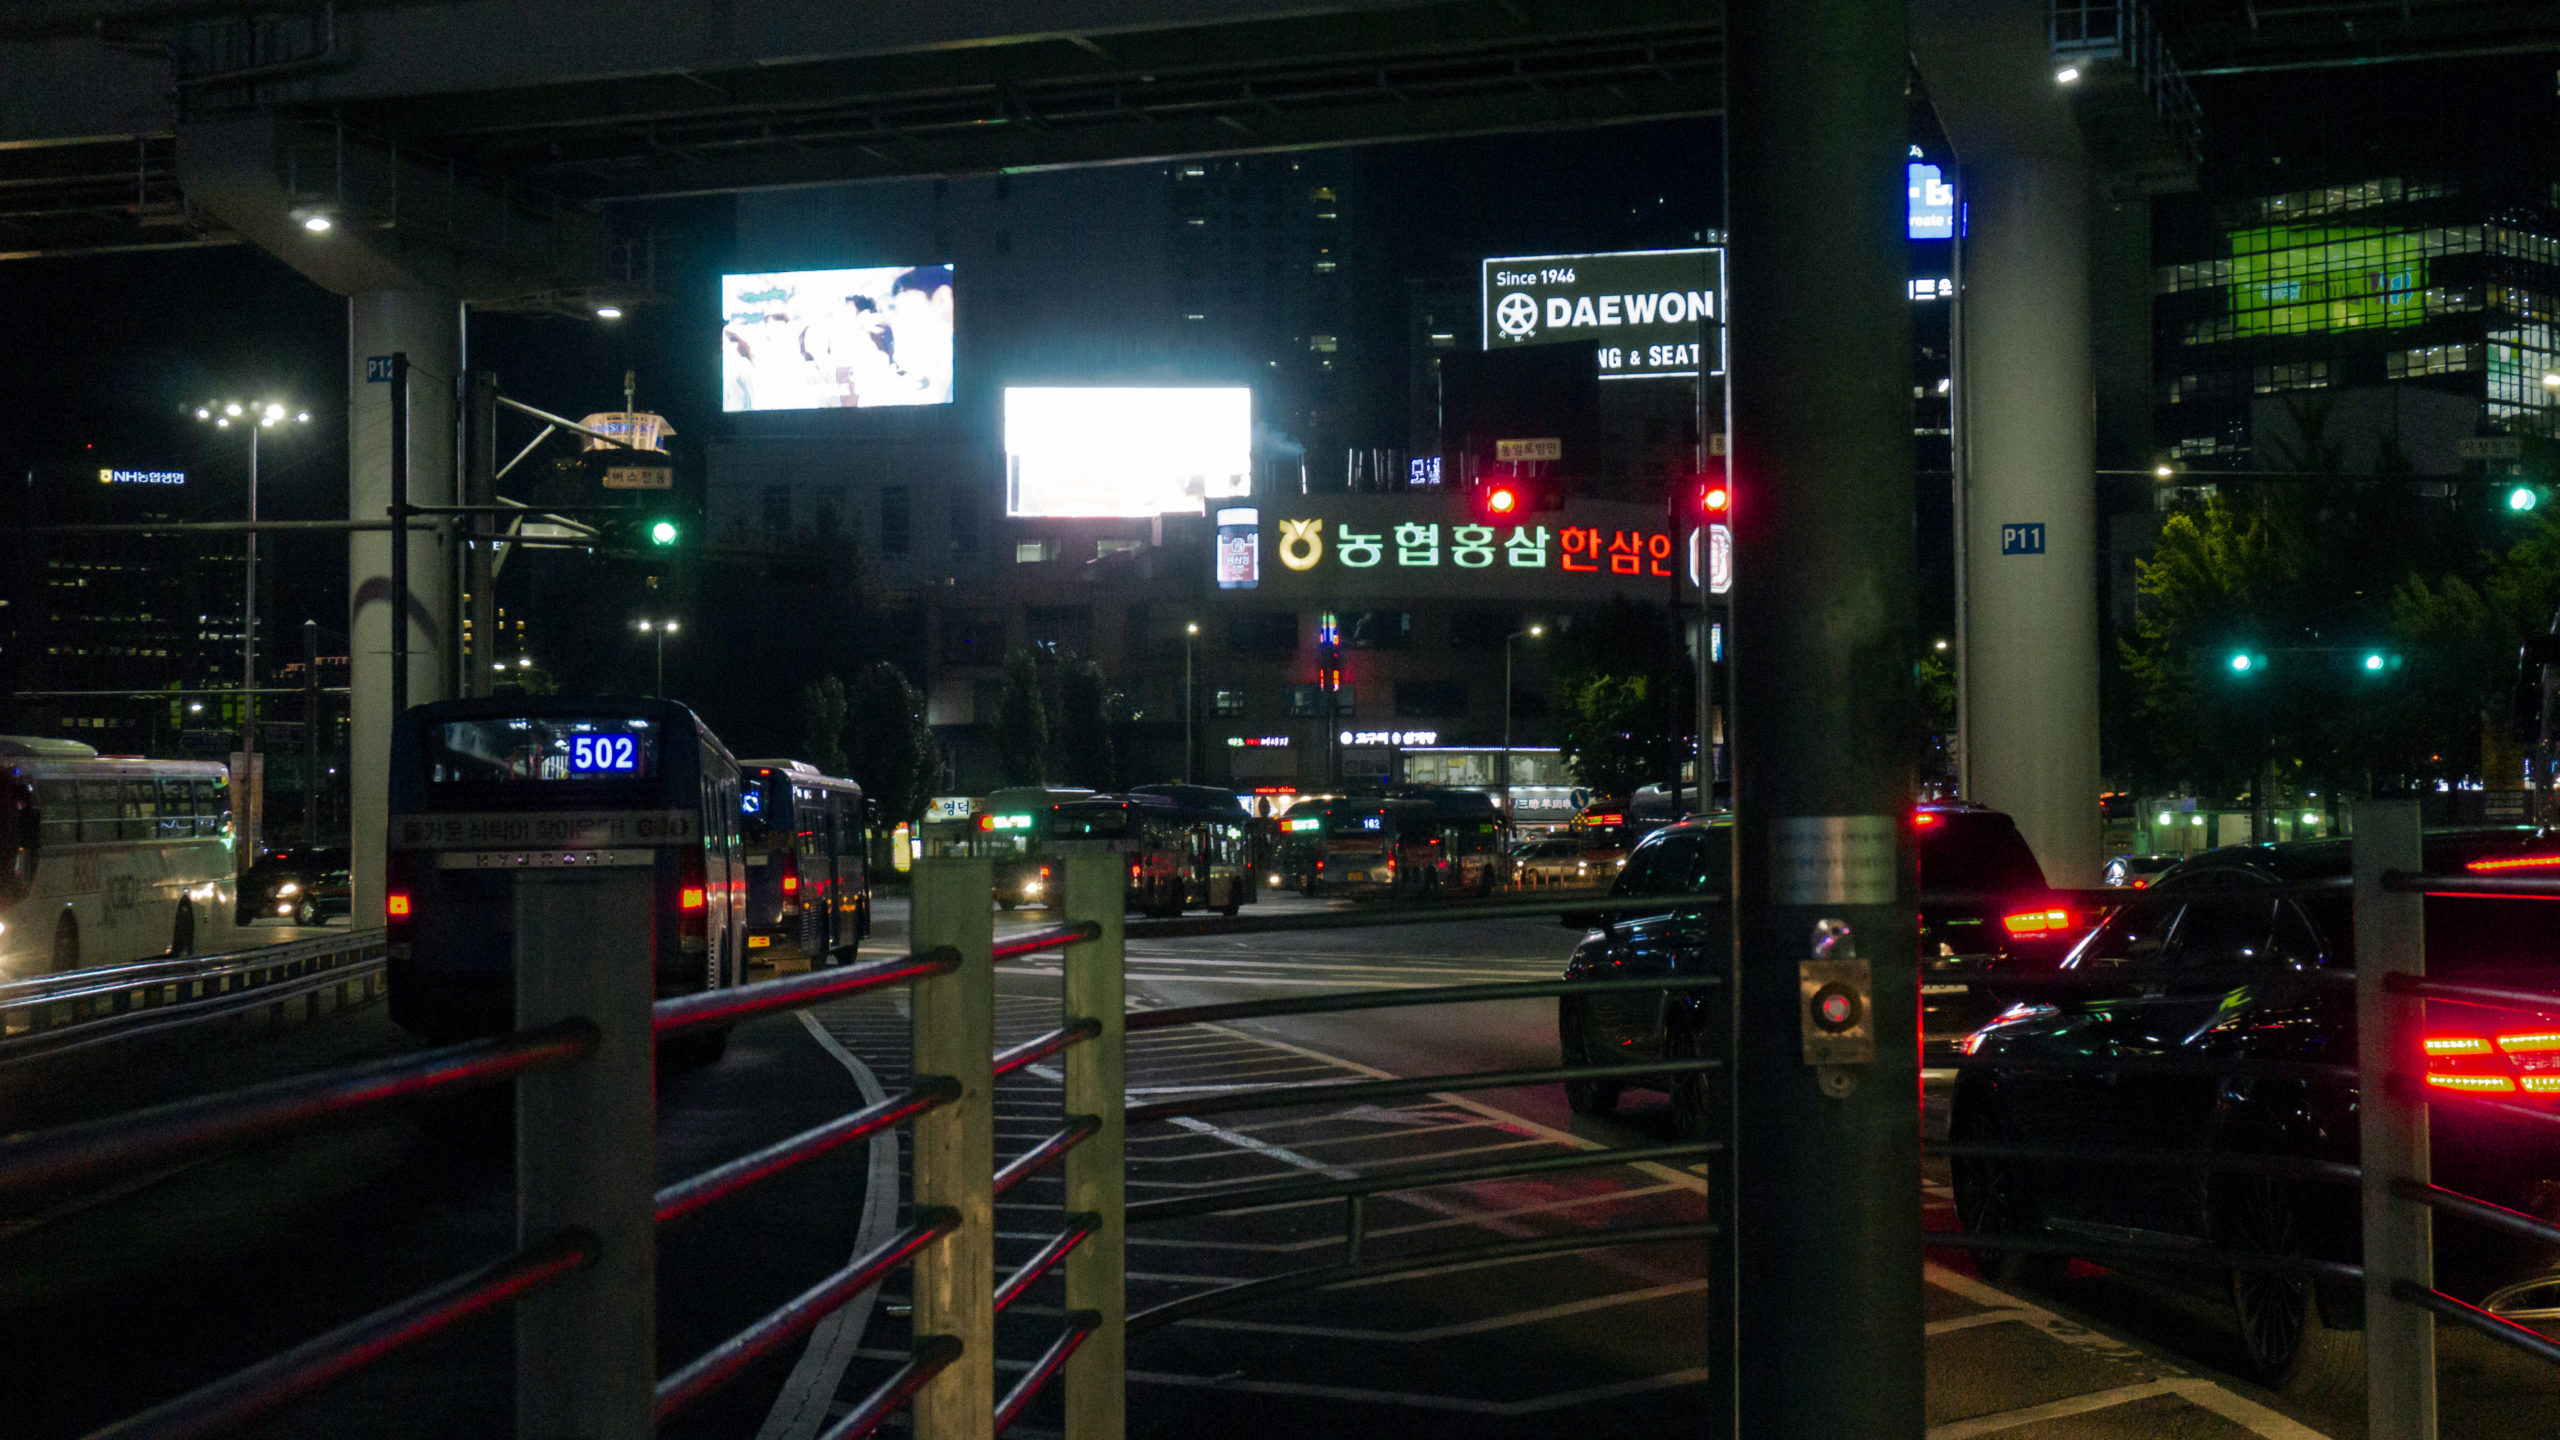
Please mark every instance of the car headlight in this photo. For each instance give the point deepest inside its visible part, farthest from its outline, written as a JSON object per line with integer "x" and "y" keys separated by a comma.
{"x": 288, "y": 888}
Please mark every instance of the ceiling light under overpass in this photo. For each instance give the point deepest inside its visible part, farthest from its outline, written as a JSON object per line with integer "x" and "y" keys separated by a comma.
{"x": 317, "y": 224}
{"x": 2068, "y": 74}
{"x": 608, "y": 312}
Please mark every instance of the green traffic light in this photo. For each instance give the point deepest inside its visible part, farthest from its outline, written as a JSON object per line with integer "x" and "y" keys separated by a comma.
{"x": 2242, "y": 663}
{"x": 2373, "y": 661}
{"x": 2523, "y": 498}
{"x": 662, "y": 532}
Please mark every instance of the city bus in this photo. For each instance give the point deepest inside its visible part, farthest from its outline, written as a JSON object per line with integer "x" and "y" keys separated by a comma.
{"x": 463, "y": 769}
{"x": 109, "y": 860}
{"x": 1409, "y": 844}
{"x": 807, "y": 879}
{"x": 1013, "y": 829}
{"x": 1189, "y": 846}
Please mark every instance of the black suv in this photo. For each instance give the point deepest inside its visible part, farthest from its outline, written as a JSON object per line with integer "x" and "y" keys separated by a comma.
{"x": 301, "y": 883}
{"x": 1983, "y": 903}
{"x": 2224, "y": 910}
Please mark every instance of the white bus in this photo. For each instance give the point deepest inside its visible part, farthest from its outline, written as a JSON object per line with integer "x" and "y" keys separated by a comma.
{"x": 106, "y": 861}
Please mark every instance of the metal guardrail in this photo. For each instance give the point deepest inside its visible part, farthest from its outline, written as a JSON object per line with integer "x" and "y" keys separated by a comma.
{"x": 54, "y": 1015}
{"x": 582, "y": 1279}
{"x": 2398, "y": 1195}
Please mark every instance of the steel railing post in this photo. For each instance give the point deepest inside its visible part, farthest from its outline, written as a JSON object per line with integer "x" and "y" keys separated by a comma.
{"x": 1096, "y": 1375}
{"x": 2400, "y": 1340}
{"x": 586, "y": 1156}
{"x": 954, "y": 1023}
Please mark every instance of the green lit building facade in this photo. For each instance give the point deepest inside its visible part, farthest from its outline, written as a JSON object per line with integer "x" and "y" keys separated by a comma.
{"x": 2359, "y": 326}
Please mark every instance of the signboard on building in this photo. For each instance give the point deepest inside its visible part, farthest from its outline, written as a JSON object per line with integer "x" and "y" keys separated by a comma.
{"x": 1516, "y": 451}
{"x": 142, "y": 477}
{"x": 1932, "y": 201}
{"x": 638, "y": 429}
{"x": 1350, "y": 546}
{"x": 1645, "y": 313}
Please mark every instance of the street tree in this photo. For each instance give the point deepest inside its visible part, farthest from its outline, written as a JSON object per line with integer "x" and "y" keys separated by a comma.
{"x": 1080, "y": 727}
{"x": 893, "y": 755}
{"x": 1021, "y": 722}
{"x": 822, "y": 711}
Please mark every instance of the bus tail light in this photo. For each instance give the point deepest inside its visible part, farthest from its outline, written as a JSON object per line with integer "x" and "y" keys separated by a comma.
{"x": 693, "y": 904}
{"x": 790, "y": 875}
{"x": 395, "y": 909}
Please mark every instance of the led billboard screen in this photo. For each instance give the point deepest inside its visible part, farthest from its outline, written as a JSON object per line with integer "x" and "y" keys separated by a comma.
{"x": 1125, "y": 453}
{"x": 1931, "y": 202}
{"x": 836, "y": 339}
{"x": 1644, "y": 313}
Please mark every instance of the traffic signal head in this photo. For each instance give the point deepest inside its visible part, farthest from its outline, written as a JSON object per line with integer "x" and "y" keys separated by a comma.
{"x": 2243, "y": 662}
{"x": 1716, "y": 500}
{"x": 663, "y": 533}
{"x": 1503, "y": 500}
{"x": 2521, "y": 498}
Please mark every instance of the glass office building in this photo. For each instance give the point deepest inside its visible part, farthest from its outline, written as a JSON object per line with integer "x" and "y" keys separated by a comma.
{"x": 2381, "y": 284}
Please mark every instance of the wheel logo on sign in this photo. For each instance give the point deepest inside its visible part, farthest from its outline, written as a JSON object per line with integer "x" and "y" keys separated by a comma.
{"x": 1516, "y": 315}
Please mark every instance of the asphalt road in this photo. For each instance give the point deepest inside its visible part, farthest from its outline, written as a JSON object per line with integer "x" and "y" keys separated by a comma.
{"x": 111, "y": 1304}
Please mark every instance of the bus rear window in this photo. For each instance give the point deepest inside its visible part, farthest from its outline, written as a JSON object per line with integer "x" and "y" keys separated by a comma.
{"x": 535, "y": 749}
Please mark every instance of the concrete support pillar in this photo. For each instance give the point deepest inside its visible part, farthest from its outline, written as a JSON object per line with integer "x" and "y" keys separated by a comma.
{"x": 2025, "y": 426}
{"x": 1825, "y": 643}
{"x": 429, "y": 328}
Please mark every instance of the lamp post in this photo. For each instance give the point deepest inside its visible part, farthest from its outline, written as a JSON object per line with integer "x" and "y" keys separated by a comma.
{"x": 252, "y": 416}
{"x": 1190, "y": 697}
{"x": 1532, "y": 633}
{"x": 662, "y": 629}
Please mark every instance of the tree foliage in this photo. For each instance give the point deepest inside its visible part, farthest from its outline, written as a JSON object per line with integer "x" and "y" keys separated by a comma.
{"x": 893, "y": 755}
{"x": 822, "y": 712}
{"x": 2313, "y": 578}
{"x": 1625, "y": 698}
{"x": 1022, "y": 722}
{"x": 1080, "y": 727}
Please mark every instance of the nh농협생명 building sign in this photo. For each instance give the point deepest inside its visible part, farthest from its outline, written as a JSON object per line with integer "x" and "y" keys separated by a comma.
{"x": 1645, "y": 313}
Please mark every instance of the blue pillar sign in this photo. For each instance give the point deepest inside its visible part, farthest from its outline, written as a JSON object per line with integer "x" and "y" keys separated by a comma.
{"x": 2023, "y": 539}
{"x": 377, "y": 369}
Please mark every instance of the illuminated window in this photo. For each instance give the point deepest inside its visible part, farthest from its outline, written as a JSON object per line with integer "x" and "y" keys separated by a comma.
{"x": 1226, "y": 702}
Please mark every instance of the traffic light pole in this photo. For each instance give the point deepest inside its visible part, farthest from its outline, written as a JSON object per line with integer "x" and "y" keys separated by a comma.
{"x": 1827, "y": 1303}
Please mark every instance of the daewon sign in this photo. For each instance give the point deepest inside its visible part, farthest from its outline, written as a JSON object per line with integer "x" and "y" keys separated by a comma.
{"x": 1645, "y": 313}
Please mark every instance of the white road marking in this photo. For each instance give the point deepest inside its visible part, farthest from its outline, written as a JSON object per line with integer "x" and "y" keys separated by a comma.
{"x": 2050, "y": 1410}
{"x": 1462, "y": 1405}
{"x": 1466, "y": 1327}
{"x": 801, "y": 1408}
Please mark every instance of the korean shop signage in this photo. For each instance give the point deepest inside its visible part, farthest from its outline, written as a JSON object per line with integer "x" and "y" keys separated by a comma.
{"x": 1386, "y": 547}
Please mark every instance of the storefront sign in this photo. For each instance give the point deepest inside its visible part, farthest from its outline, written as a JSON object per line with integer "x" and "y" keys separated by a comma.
{"x": 1348, "y": 547}
{"x": 1390, "y": 737}
{"x": 1645, "y": 313}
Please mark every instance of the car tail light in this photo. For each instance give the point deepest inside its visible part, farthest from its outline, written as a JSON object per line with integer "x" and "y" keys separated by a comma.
{"x": 2514, "y": 862}
{"x": 2522, "y": 1060}
{"x": 2037, "y": 922}
{"x": 790, "y": 874}
{"x": 395, "y": 907}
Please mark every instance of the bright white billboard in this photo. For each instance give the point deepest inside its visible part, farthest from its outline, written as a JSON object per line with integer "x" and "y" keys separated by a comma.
{"x": 1125, "y": 453}
{"x": 836, "y": 339}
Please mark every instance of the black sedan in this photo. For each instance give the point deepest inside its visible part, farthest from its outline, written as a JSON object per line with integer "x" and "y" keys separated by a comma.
{"x": 2264, "y": 913}
{"x": 301, "y": 883}
{"x": 1984, "y": 903}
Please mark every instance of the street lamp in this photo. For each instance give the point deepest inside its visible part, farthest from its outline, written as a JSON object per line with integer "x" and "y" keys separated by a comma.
{"x": 254, "y": 416}
{"x": 1532, "y": 633}
{"x": 1190, "y": 696}
{"x": 662, "y": 629}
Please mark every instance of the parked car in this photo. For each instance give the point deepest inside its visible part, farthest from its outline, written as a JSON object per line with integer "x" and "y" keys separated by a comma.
{"x": 301, "y": 883}
{"x": 2247, "y": 908}
{"x": 1980, "y": 889}
{"x": 2136, "y": 872}
{"x": 1550, "y": 864}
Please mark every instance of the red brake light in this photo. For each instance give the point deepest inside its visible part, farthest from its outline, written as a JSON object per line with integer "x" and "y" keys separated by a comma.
{"x": 2533, "y": 1043}
{"x": 2456, "y": 1045}
{"x": 690, "y": 898}
{"x": 1923, "y": 821}
{"x": 2037, "y": 922}
{"x": 396, "y": 907}
{"x": 2478, "y": 1084}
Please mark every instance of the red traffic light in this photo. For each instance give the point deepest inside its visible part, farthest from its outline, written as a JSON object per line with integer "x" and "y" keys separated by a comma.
{"x": 1501, "y": 500}
{"x": 1716, "y": 500}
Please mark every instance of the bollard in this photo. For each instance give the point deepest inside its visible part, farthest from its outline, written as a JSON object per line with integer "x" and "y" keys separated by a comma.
{"x": 2399, "y": 1236}
{"x": 1096, "y": 1375}
{"x": 954, "y": 1027}
{"x": 586, "y": 1155}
